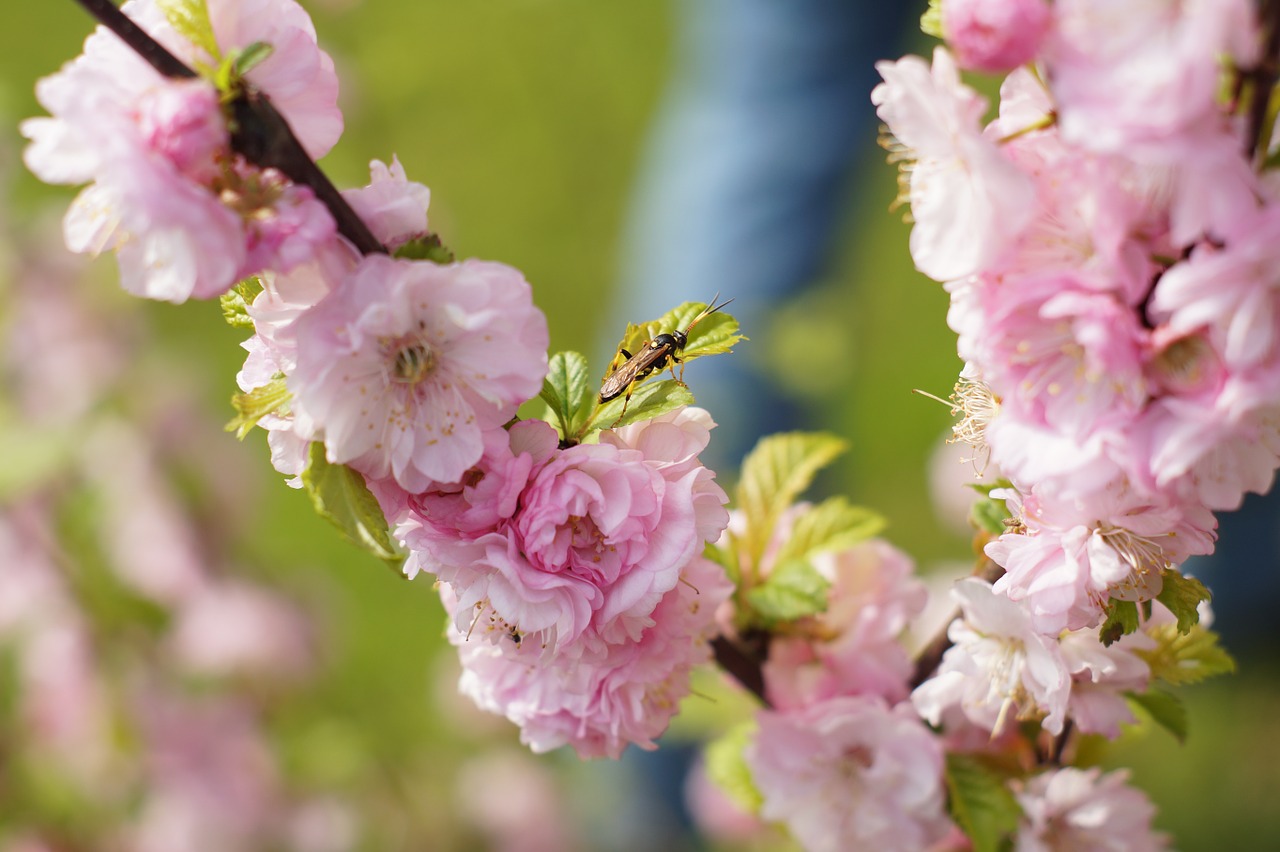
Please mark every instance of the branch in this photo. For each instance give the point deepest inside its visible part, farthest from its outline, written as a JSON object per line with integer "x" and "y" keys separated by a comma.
{"x": 1263, "y": 77}
{"x": 744, "y": 660}
{"x": 931, "y": 655}
{"x": 258, "y": 131}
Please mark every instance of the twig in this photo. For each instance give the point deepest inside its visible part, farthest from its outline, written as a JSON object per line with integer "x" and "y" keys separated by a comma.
{"x": 931, "y": 655}
{"x": 259, "y": 132}
{"x": 744, "y": 660}
{"x": 1263, "y": 76}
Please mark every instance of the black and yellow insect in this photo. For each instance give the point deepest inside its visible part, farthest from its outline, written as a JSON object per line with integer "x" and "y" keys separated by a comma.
{"x": 661, "y": 351}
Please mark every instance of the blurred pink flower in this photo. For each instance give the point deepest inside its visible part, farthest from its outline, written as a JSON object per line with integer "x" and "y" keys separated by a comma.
{"x": 851, "y": 773}
{"x": 995, "y": 35}
{"x": 233, "y": 627}
{"x": 394, "y": 207}
{"x": 1073, "y": 808}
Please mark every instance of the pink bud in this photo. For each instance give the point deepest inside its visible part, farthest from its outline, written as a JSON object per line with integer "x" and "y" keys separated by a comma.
{"x": 994, "y": 35}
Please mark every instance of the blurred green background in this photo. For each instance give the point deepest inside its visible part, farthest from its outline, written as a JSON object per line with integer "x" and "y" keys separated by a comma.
{"x": 526, "y": 118}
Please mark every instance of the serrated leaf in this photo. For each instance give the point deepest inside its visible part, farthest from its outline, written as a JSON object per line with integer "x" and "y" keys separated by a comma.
{"x": 1185, "y": 658}
{"x": 568, "y": 393}
{"x": 727, "y": 767}
{"x": 793, "y": 590}
{"x": 190, "y": 18}
{"x": 773, "y": 475}
{"x": 236, "y": 301}
{"x": 256, "y": 404}
{"x": 429, "y": 248}
{"x": 1165, "y": 709}
{"x": 713, "y": 334}
{"x": 340, "y": 496}
{"x": 1122, "y": 619}
{"x": 981, "y": 802}
{"x": 647, "y": 402}
{"x": 1182, "y": 595}
{"x": 246, "y": 58}
{"x": 833, "y": 524}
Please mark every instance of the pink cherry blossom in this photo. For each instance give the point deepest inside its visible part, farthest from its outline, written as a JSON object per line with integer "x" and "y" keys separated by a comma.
{"x": 405, "y": 364}
{"x": 394, "y": 207}
{"x": 854, "y": 648}
{"x": 605, "y": 694}
{"x": 999, "y": 668}
{"x": 851, "y": 773}
{"x": 969, "y": 203}
{"x": 1101, "y": 676}
{"x": 1073, "y": 808}
{"x": 995, "y": 35}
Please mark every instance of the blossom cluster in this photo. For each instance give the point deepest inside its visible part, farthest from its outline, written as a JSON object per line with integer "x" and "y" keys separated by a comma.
{"x": 1107, "y": 245}
{"x": 573, "y": 571}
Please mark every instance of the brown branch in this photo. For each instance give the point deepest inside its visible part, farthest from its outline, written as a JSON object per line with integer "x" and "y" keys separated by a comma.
{"x": 931, "y": 655}
{"x": 744, "y": 660}
{"x": 1263, "y": 77}
{"x": 258, "y": 131}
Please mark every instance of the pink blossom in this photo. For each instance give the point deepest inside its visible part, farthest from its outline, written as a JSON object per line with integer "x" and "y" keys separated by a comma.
{"x": 854, "y": 648}
{"x": 995, "y": 35}
{"x": 405, "y": 364}
{"x": 851, "y": 773}
{"x": 969, "y": 203}
{"x": 1101, "y": 676}
{"x": 605, "y": 694}
{"x": 1073, "y": 808}
{"x": 999, "y": 663}
{"x": 237, "y": 628}
{"x": 394, "y": 207}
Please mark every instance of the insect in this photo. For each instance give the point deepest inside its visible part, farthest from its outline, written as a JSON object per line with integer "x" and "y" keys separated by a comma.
{"x": 662, "y": 351}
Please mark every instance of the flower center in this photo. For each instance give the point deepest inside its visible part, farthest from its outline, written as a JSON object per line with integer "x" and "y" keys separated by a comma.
{"x": 412, "y": 364}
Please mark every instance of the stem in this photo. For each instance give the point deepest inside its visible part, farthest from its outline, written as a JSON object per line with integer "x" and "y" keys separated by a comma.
{"x": 931, "y": 655}
{"x": 744, "y": 660}
{"x": 259, "y": 132}
{"x": 1263, "y": 76}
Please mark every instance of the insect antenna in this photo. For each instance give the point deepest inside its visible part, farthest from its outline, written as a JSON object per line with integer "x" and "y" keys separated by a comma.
{"x": 710, "y": 309}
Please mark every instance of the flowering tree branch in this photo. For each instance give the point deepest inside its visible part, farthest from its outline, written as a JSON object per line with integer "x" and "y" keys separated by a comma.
{"x": 931, "y": 655}
{"x": 259, "y": 132}
{"x": 744, "y": 660}
{"x": 1263, "y": 77}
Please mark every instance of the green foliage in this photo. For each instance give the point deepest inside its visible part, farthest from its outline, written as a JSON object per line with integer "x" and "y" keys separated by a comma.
{"x": 980, "y": 802}
{"x": 1122, "y": 619}
{"x": 246, "y": 58}
{"x": 713, "y": 334}
{"x": 340, "y": 496}
{"x": 773, "y": 477}
{"x": 1182, "y": 595}
{"x": 1184, "y": 658}
{"x": 236, "y": 301}
{"x": 931, "y": 20}
{"x": 190, "y": 18}
{"x": 988, "y": 515}
{"x": 794, "y": 589}
{"x": 429, "y": 248}
{"x": 647, "y": 402}
{"x": 727, "y": 767}
{"x": 1165, "y": 709}
{"x": 256, "y": 404}
{"x": 568, "y": 393}
{"x": 833, "y": 524}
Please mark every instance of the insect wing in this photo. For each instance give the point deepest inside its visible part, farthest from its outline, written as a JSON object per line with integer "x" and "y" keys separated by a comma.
{"x": 636, "y": 367}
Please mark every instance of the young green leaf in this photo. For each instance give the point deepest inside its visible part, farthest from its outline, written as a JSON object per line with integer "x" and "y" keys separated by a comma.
{"x": 981, "y": 802}
{"x": 251, "y": 55}
{"x": 568, "y": 393}
{"x": 773, "y": 476}
{"x": 1182, "y": 658}
{"x": 1122, "y": 619}
{"x": 647, "y": 402}
{"x": 340, "y": 496}
{"x": 931, "y": 20}
{"x": 236, "y": 301}
{"x": 833, "y": 524}
{"x": 429, "y": 248}
{"x": 190, "y": 18}
{"x": 256, "y": 404}
{"x": 793, "y": 590}
{"x": 727, "y": 767}
{"x": 988, "y": 515}
{"x": 1165, "y": 709}
{"x": 1182, "y": 595}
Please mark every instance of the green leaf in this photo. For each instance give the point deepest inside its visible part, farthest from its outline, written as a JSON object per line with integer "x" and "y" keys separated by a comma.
{"x": 1182, "y": 595}
{"x": 931, "y": 20}
{"x": 1122, "y": 619}
{"x": 190, "y": 18}
{"x": 236, "y": 301}
{"x": 833, "y": 524}
{"x": 713, "y": 334}
{"x": 647, "y": 402}
{"x": 793, "y": 590}
{"x": 1184, "y": 658}
{"x": 773, "y": 475}
{"x": 568, "y": 393}
{"x": 256, "y": 404}
{"x": 988, "y": 515}
{"x": 727, "y": 767}
{"x": 981, "y": 802}
{"x": 340, "y": 496}
{"x": 429, "y": 248}
{"x": 1165, "y": 709}
{"x": 246, "y": 58}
